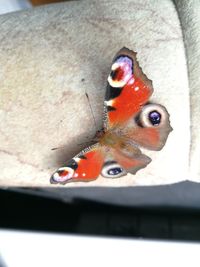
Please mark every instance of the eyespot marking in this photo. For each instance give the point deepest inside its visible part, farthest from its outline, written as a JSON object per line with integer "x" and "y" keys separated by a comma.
{"x": 62, "y": 175}
{"x": 155, "y": 117}
{"x": 121, "y": 72}
{"x": 112, "y": 169}
{"x": 115, "y": 171}
{"x": 152, "y": 115}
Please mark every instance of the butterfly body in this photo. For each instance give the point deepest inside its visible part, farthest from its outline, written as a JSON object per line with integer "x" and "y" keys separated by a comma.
{"x": 130, "y": 122}
{"x": 112, "y": 139}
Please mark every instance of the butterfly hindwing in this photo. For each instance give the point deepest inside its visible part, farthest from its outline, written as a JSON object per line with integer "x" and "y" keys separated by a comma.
{"x": 120, "y": 162}
{"x": 127, "y": 90}
{"x": 150, "y": 128}
{"x": 132, "y": 164}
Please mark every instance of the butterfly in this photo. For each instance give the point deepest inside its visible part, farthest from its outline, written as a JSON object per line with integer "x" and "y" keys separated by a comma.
{"x": 129, "y": 122}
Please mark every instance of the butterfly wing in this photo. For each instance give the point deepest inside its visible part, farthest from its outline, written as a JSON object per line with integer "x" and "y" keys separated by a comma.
{"x": 149, "y": 132}
{"x": 122, "y": 162}
{"x": 128, "y": 89}
{"x": 150, "y": 128}
{"x": 132, "y": 164}
{"x": 86, "y": 166}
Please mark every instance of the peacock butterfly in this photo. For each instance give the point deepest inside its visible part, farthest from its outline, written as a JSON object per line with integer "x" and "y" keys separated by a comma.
{"x": 130, "y": 122}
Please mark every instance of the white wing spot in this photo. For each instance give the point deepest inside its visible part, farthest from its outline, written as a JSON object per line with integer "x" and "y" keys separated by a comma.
{"x": 132, "y": 80}
{"x": 109, "y": 102}
{"x": 56, "y": 175}
{"x": 115, "y": 66}
{"x": 77, "y": 159}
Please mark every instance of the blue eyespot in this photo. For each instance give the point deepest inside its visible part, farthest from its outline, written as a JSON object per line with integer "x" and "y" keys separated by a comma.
{"x": 115, "y": 171}
{"x": 112, "y": 169}
{"x": 155, "y": 117}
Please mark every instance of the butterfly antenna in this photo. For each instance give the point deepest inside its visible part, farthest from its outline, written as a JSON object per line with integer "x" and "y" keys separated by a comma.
{"x": 87, "y": 96}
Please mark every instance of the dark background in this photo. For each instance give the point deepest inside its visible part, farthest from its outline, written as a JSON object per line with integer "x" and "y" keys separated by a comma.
{"x": 26, "y": 211}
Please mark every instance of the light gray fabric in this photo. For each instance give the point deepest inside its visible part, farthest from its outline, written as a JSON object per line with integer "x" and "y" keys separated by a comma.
{"x": 57, "y": 53}
{"x": 189, "y": 14}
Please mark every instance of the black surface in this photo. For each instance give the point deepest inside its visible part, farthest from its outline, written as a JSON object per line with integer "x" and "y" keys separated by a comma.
{"x": 180, "y": 195}
{"x": 28, "y": 212}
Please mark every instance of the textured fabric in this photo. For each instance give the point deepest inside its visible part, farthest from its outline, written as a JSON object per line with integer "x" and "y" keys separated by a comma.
{"x": 57, "y": 53}
{"x": 189, "y": 14}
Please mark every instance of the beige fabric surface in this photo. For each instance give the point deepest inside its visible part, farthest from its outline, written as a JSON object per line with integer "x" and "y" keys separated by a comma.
{"x": 54, "y": 54}
{"x": 189, "y": 14}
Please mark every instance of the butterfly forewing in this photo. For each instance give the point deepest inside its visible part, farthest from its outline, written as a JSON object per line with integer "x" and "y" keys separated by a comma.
{"x": 128, "y": 89}
{"x": 86, "y": 166}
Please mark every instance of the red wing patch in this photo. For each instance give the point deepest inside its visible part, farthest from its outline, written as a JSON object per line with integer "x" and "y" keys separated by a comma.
{"x": 128, "y": 88}
{"x": 151, "y": 138}
{"x": 86, "y": 166}
{"x": 133, "y": 96}
{"x": 146, "y": 137}
{"x": 131, "y": 164}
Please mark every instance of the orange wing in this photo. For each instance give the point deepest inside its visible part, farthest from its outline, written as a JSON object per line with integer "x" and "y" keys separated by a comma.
{"x": 128, "y": 89}
{"x": 86, "y": 166}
